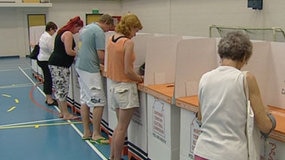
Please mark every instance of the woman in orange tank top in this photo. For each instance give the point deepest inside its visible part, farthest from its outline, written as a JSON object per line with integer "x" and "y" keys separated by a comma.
{"x": 123, "y": 79}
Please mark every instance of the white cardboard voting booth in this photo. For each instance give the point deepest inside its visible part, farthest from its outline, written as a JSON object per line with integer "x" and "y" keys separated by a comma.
{"x": 276, "y": 76}
{"x": 259, "y": 64}
{"x": 267, "y": 65}
{"x": 137, "y": 131}
{"x": 162, "y": 116}
{"x": 194, "y": 58}
{"x": 34, "y": 35}
{"x": 72, "y": 90}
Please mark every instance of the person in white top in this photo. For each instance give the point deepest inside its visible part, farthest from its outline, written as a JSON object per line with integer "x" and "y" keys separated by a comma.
{"x": 46, "y": 44}
{"x": 222, "y": 103}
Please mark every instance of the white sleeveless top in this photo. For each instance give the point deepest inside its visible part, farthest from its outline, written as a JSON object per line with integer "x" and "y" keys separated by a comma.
{"x": 223, "y": 108}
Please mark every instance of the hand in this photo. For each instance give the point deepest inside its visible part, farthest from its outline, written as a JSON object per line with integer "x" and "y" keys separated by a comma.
{"x": 141, "y": 79}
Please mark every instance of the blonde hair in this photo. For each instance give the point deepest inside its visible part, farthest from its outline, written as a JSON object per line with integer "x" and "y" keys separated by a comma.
{"x": 128, "y": 22}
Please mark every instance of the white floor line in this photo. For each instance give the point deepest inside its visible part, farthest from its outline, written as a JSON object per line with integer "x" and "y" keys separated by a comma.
{"x": 16, "y": 85}
{"x": 7, "y": 70}
{"x": 73, "y": 126}
{"x": 31, "y": 122}
{"x": 89, "y": 143}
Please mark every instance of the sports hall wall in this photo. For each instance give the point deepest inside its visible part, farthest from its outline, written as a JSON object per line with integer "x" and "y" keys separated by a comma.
{"x": 182, "y": 17}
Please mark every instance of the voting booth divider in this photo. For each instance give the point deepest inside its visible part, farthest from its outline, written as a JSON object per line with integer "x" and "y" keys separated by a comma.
{"x": 72, "y": 90}
{"x": 37, "y": 71}
{"x": 162, "y": 116}
{"x": 266, "y": 64}
{"x": 35, "y": 32}
{"x": 137, "y": 131}
{"x": 194, "y": 57}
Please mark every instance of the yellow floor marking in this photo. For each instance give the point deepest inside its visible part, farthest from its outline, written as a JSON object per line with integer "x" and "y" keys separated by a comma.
{"x": 16, "y": 100}
{"x": 33, "y": 122}
{"x": 11, "y": 109}
{"x": 6, "y": 95}
{"x": 38, "y": 125}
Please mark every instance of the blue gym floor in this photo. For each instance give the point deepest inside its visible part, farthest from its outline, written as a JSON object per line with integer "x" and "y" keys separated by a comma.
{"x": 31, "y": 130}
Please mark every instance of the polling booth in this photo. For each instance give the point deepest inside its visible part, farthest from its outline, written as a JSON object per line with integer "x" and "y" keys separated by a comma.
{"x": 194, "y": 58}
{"x": 270, "y": 68}
{"x": 162, "y": 115}
{"x": 35, "y": 33}
{"x": 105, "y": 121}
{"x": 259, "y": 64}
{"x": 74, "y": 88}
{"x": 275, "y": 98}
{"x": 276, "y": 77}
{"x": 73, "y": 97}
{"x": 267, "y": 65}
{"x": 137, "y": 131}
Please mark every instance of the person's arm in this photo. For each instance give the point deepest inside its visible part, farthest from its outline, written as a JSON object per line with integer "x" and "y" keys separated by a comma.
{"x": 198, "y": 114}
{"x": 50, "y": 44}
{"x": 261, "y": 112}
{"x": 129, "y": 50}
{"x": 67, "y": 39}
{"x": 101, "y": 55}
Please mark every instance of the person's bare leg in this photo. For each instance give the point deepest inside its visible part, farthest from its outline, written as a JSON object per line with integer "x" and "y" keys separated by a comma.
{"x": 96, "y": 121}
{"x": 85, "y": 112}
{"x": 113, "y": 137}
{"x": 121, "y": 131}
{"x": 64, "y": 111}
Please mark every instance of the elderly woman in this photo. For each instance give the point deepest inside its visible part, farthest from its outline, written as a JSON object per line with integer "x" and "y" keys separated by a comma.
{"x": 223, "y": 104}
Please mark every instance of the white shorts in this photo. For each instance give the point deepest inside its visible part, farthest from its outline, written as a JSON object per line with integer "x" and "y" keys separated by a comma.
{"x": 91, "y": 89}
{"x": 123, "y": 95}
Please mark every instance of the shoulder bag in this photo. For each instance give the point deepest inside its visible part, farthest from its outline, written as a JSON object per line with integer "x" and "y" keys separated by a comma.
{"x": 34, "y": 54}
{"x": 254, "y": 138}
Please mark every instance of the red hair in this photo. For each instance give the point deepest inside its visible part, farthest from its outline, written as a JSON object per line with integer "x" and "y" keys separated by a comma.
{"x": 74, "y": 22}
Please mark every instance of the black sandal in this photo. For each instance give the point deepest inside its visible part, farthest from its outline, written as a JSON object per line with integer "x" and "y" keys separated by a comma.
{"x": 54, "y": 103}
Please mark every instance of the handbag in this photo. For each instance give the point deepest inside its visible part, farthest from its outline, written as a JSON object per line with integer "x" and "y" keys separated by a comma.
{"x": 254, "y": 137}
{"x": 35, "y": 52}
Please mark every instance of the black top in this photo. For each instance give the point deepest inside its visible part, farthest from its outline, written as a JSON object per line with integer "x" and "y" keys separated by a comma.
{"x": 115, "y": 40}
{"x": 59, "y": 57}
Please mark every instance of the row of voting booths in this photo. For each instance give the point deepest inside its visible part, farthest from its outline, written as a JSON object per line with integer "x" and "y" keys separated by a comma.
{"x": 164, "y": 126}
